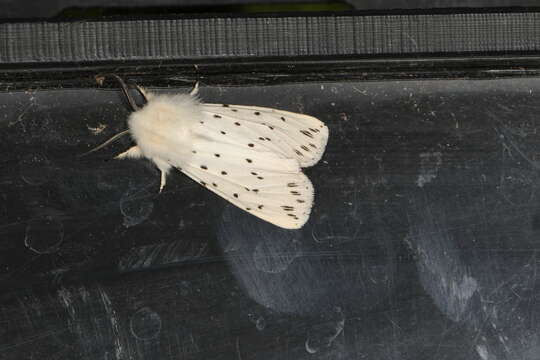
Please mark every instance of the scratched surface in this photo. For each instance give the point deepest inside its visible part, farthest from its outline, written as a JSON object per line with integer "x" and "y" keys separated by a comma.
{"x": 422, "y": 243}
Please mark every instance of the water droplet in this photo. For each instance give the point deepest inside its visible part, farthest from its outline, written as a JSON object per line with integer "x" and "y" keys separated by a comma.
{"x": 145, "y": 324}
{"x": 35, "y": 169}
{"x": 324, "y": 334}
{"x": 44, "y": 235}
{"x": 518, "y": 186}
{"x": 309, "y": 348}
{"x": 185, "y": 288}
{"x": 135, "y": 207}
{"x": 259, "y": 321}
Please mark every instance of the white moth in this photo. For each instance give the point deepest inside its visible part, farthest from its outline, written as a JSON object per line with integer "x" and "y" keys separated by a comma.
{"x": 251, "y": 156}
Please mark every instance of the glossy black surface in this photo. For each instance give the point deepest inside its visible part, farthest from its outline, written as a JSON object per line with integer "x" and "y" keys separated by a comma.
{"x": 93, "y": 8}
{"x": 421, "y": 245}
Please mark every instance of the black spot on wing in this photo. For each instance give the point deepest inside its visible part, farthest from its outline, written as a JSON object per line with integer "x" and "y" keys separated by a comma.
{"x": 307, "y": 133}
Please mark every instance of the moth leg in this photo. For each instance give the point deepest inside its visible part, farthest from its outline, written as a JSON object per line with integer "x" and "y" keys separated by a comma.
{"x": 163, "y": 181}
{"x": 164, "y": 167}
{"x": 195, "y": 89}
{"x": 133, "y": 152}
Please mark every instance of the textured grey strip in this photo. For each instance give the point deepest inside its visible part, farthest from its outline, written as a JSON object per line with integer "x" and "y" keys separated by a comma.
{"x": 196, "y": 39}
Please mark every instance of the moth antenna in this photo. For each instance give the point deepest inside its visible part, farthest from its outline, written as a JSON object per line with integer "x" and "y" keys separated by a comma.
{"x": 125, "y": 89}
{"x": 143, "y": 92}
{"x": 114, "y": 138}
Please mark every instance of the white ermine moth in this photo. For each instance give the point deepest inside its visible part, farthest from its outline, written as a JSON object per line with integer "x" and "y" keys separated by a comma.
{"x": 251, "y": 156}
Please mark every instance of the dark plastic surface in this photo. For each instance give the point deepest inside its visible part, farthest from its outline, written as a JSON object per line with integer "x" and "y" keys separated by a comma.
{"x": 51, "y": 8}
{"x": 422, "y": 243}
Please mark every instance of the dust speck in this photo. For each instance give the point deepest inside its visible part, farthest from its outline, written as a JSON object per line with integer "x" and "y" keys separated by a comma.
{"x": 429, "y": 167}
{"x": 98, "y": 129}
{"x": 482, "y": 352}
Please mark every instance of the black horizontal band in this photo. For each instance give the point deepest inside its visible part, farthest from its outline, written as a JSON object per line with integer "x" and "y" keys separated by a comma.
{"x": 196, "y": 39}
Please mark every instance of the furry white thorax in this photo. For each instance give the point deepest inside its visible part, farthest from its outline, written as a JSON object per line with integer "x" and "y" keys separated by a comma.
{"x": 162, "y": 128}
